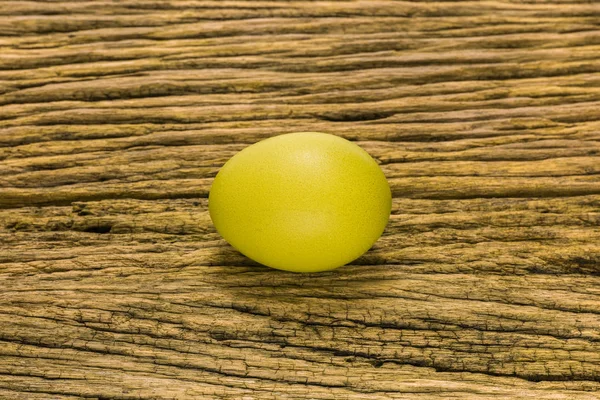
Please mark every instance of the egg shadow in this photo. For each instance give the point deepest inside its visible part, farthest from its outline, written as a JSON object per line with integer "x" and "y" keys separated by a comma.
{"x": 241, "y": 276}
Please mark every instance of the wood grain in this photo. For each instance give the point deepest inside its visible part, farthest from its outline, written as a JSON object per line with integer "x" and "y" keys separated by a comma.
{"x": 116, "y": 116}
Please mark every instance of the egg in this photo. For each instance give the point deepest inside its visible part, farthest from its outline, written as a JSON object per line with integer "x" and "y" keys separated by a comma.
{"x": 302, "y": 202}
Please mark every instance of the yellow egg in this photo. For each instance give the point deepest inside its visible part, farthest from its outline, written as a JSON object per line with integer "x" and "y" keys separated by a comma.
{"x": 303, "y": 202}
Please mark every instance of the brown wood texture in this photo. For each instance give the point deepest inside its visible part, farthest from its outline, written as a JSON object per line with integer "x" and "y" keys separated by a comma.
{"x": 116, "y": 115}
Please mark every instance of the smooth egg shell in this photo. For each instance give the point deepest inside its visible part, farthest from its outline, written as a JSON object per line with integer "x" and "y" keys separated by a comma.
{"x": 302, "y": 202}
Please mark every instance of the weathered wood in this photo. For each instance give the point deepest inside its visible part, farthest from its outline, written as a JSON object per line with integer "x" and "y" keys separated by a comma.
{"x": 115, "y": 117}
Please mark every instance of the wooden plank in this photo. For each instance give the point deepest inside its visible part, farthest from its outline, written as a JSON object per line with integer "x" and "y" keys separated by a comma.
{"x": 116, "y": 116}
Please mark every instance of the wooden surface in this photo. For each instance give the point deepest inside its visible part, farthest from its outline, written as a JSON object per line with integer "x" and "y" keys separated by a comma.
{"x": 116, "y": 116}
